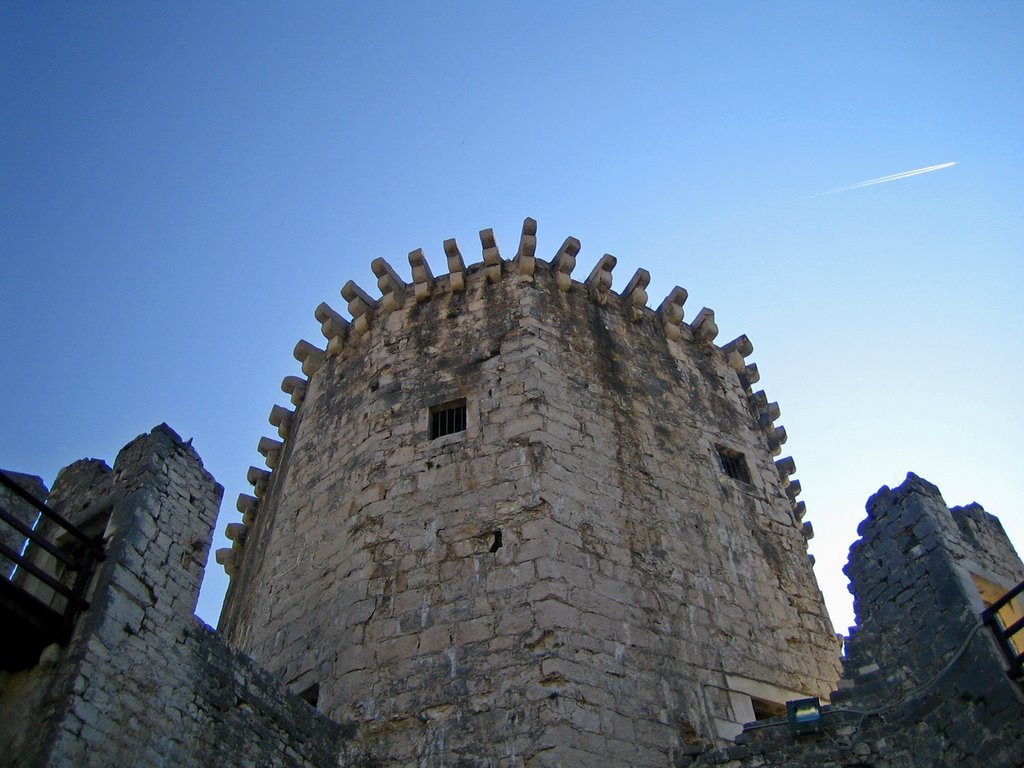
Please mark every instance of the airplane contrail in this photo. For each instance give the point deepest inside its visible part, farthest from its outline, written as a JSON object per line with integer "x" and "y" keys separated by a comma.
{"x": 892, "y": 177}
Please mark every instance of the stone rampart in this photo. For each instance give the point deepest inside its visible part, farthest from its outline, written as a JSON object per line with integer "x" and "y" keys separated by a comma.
{"x": 143, "y": 682}
{"x": 512, "y": 519}
{"x": 924, "y": 682}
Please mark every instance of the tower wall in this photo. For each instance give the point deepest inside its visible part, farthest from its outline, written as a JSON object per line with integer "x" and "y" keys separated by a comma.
{"x": 576, "y": 576}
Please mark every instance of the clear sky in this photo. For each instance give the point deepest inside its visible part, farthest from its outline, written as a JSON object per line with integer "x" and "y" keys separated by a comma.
{"x": 182, "y": 183}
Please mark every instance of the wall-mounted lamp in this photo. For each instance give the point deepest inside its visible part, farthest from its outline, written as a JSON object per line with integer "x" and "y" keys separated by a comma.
{"x": 804, "y": 715}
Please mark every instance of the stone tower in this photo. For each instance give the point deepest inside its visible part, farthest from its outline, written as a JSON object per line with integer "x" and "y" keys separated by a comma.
{"x": 516, "y": 519}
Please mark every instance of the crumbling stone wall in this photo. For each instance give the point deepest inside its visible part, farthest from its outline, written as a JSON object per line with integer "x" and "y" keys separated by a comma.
{"x": 143, "y": 682}
{"x": 924, "y": 682}
{"x": 575, "y": 578}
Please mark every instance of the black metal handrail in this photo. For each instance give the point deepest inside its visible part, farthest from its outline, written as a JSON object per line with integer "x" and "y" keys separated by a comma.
{"x": 77, "y": 560}
{"x": 1005, "y": 634}
{"x": 45, "y": 511}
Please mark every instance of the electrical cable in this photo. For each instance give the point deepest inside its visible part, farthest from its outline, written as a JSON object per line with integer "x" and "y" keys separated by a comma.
{"x": 865, "y": 713}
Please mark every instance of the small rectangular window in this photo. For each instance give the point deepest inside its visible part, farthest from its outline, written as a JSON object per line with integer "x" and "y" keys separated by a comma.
{"x": 311, "y": 695}
{"x": 734, "y": 464}
{"x": 447, "y": 419}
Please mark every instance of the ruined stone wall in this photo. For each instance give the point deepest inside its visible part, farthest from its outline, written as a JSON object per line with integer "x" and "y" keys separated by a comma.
{"x": 983, "y": 548}
{"x": 143, "y": 682}
{"x": 924, "y": 682}
{"x": 574, "y": 578}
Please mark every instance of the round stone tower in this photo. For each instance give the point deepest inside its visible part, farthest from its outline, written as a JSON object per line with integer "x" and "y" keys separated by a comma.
{"x": 519, "y": 520}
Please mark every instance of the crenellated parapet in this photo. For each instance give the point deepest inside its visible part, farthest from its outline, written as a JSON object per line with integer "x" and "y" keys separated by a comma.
{"x": 366, "y": 314}
{"x": 500, "y": 464}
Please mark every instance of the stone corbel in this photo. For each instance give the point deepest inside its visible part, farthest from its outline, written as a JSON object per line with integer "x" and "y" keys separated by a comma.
{"x": 766, "y": 412}
{"x": 360, "y": 306}
{"x": 526, "y": 260}
{"x": 776, "y": 439}
{"x": 799, "y": 510}
{"x": 703, "y": 326}
{"x": 492, "y": 258}
{"x": 599, "y": 281}
{"x": 258, "y": 479}
{"x": 295, "y": 386}
{"x": 225, "y": 558}
{"x": 456, "y": 266}
{"x": 750, "y": 376}
{"x": 736, "y": 350}
{"x": 793, "y": 489}
{"x": 270, "y": 450}
{"x": 391, "y": 286}
{"x": 281, "y": 418}
{"x": 236, "y": 532}
{"x": 310, "y": 356}
{"x": 246, "y": 505}
{"x": 422, "y": 277}
{"x": 786, "y": 467}
{"x": 564, "y": 263}
{"x": 671, "y": 312}
{"x": 333, "y": 326}
{"x": 636, "y": 294}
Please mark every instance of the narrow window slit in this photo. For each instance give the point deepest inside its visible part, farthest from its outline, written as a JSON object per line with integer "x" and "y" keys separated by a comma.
{"x": 496, "y": 544}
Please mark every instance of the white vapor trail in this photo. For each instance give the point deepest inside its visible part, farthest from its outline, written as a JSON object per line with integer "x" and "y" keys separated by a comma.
{"x": 892, "y": 177}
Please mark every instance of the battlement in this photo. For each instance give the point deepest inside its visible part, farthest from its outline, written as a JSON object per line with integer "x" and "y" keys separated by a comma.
{"x": 540, "y": 481}
{"x": 511, "y": 518}
{"x": 346, "y": 337}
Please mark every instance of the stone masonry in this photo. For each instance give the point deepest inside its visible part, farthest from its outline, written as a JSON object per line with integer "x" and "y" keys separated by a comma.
{"x": 606, "y": 564}
{"x": 924, "y": 683}
{"x": 513, "y": 520}
{"x": 143, "y": 682}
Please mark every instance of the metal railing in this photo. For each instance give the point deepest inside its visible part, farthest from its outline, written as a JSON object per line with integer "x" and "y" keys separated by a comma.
{"x": 29, "y": 592}
{"x": 1005, "y": 634}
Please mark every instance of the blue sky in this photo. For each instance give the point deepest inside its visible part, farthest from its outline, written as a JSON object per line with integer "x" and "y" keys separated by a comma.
{"x": 182, "y": 183}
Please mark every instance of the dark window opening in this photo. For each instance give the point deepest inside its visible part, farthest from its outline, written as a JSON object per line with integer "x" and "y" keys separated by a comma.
{"x": 496, "y": 544}
{"x": 766, "y": 710}
{"x": 734, "y": 464}
{"x": 447, "y": 419}
{"x": 311, "y": 695}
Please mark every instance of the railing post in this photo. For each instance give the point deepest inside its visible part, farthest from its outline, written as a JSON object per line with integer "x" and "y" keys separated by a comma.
{"x": 42, "y": 620}
{"x": 1004, "y": 634}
